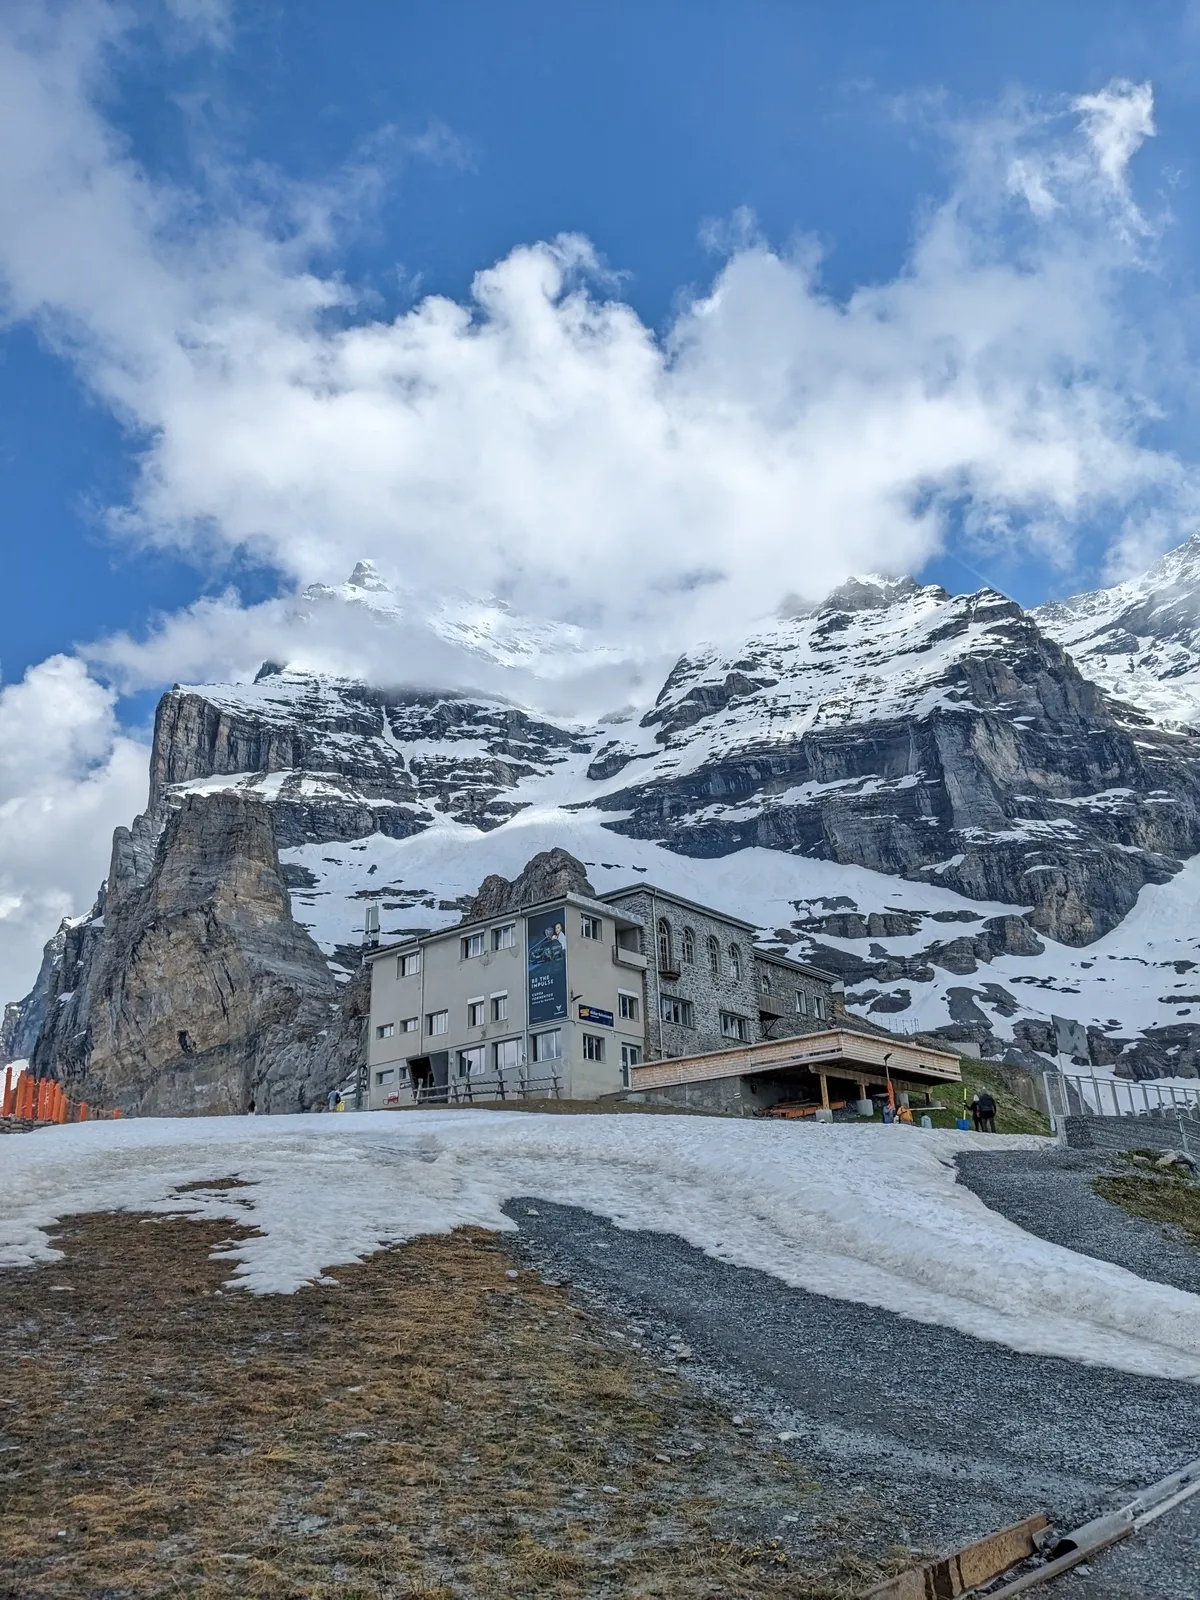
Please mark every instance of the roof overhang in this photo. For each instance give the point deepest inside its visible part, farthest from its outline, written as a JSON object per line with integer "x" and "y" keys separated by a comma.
{"x": 836, "y": 1052}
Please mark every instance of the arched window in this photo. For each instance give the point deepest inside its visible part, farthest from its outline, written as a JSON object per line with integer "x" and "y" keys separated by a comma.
{"x": 664, "y": 945}
{"x": 735, "y": 963}
{"x": 714, "y": 957}
{"x": 765, "y": 980}
{"x": 688, "y": 946}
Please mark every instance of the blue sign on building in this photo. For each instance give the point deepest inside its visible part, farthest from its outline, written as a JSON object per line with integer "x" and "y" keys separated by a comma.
{"x": 602, "y": 1019}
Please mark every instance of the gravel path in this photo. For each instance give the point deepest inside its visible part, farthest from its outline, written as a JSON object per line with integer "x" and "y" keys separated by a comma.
{"x": 1049, "y": 1193}
{"x": 954, "y": 1437}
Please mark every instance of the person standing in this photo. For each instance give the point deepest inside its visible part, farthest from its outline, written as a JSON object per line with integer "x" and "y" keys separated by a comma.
{"x": 985, "y": 1115}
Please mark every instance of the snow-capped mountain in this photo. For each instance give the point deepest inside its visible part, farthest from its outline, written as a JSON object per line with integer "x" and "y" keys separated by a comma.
{"x": 1140, "y": 640}
{"x": 921, "y": 791}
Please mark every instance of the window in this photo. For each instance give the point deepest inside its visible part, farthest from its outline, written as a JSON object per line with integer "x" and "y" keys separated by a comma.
{"x": 476, "y": 1012}
{"x": 734, "y": 1027}
{"x": 385, "y": 1030}
{"x": 714, "y": 957}
{"x": 631, "y": 1007}
{"x": 672, "y": 1009}
{"x": 591, "y": 927}
{"x": 735, "y": 963}
{"x": 547, "y": 1046}
{"x": 764, "y": 980}
{"x": 470, "y": 1062}
{"x": 437, "y": 1022}
{"x": 408, "y": 966}
{"x": 801, "y": 1003}
{"x": 819, "y": 1006}
{"x": 593, "y": 1047}
{"x": 504, "y": 938}
{"x": 410, "y": 1025}
{"x": 506, "y": 1054}
{"x": 664, "y": 946}
{"x": 499, "y": 1007}
{"x": 472, "y": 946}
{"x": 388, "y": 1076}
{"x": 631, "y": 1054}
{"x": 687, "y": 946}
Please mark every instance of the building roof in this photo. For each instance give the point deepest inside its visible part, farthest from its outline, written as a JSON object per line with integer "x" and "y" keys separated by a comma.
{"x": 678, "y": 900}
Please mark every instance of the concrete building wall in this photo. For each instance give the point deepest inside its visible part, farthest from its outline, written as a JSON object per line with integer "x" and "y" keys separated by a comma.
{"x": 452, "y": 981}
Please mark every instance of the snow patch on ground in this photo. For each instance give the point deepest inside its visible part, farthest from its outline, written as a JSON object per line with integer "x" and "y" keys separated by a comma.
{"x": 868, "y": 1214}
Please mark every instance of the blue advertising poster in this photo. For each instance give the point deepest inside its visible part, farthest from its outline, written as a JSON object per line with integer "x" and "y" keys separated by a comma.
{"x": 546, "y": 942}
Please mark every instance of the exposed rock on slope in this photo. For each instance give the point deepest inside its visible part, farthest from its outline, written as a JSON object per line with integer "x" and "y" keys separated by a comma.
{"x": 548, "y": 876}
{"x": 900, "y": 729}
{"x": 338, "y": 759}
{"x": 193, "y": 989}
{"x": 1140, "y": 640}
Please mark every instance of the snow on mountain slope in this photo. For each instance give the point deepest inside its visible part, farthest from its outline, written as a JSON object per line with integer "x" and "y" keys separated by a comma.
{"x": 1140, "y": 640}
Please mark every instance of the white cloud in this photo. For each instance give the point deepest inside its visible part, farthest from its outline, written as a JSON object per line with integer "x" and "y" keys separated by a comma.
{"x": 68, "y": 777}
{"x": 540, "y": 440}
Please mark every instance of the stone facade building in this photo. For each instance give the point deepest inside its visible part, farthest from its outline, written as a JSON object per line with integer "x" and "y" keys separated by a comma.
{"x": 709, "y": 986}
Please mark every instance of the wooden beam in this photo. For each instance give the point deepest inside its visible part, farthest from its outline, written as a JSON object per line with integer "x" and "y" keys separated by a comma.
{"x": 967, "y": 1568}
{"x": 824, "y": 1091}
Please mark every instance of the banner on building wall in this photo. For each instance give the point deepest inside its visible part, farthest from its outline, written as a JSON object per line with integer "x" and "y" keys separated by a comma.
{"x": 602, "y": 1019}
{"x": 546, "y": 942}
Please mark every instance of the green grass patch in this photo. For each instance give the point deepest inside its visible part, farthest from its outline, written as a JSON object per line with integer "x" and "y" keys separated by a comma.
{"x": 1012, "y": 1114}
{"x": 1155, "y": 1197}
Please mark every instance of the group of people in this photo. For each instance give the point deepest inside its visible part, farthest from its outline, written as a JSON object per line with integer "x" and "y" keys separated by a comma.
{"x": 983, "y": 1112}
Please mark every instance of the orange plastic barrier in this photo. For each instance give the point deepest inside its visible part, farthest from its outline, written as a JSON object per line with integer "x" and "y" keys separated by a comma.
{"x": 6, "y": 1106}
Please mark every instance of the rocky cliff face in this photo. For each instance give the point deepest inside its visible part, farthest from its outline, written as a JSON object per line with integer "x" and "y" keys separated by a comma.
{"x": 192, "y": 989}
{"x": 1140, "y": 640}
{"x": 920, "y": 735}
{"x": 923, "y": 792}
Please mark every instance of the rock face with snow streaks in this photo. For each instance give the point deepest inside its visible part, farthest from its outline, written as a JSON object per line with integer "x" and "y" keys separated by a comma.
{"x": 900, "y": 729}
{"x": 339, "y": 759}
{"x": 926, "y": 794}
{"x": 1140, "y": 640}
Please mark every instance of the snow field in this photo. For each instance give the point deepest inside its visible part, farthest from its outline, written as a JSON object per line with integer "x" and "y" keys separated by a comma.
{"x": 868, "y": 1214}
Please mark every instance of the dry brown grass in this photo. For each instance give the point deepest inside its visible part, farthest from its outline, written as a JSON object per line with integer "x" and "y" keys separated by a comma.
{"x": 425, "y": 1427}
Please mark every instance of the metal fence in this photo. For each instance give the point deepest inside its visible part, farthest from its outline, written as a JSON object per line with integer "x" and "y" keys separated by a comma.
{"x": 467, "y": 1091}
{"x": 1077, "y": 1094}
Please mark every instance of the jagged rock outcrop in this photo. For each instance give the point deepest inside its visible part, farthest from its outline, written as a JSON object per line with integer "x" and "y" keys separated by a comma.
{"x": 547, "y": 876}
{"x": 192, "y": 989}
{"x": 342, "y": 760}
{"x": 922, "y": 735}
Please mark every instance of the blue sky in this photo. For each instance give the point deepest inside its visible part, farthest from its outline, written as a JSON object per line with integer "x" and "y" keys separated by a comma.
{"x": 634, "y": 123}
{"x": 273, "y": 185}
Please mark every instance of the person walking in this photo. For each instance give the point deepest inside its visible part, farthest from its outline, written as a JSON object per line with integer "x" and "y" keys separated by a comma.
{"x": 331, "y": 1100}
{"x": 985, "y": 1112}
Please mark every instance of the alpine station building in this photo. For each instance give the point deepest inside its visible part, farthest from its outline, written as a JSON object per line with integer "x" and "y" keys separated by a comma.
{"x": 637, "y": 994}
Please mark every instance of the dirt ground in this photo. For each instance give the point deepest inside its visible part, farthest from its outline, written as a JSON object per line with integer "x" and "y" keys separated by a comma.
{"x": 435, "y": 1423}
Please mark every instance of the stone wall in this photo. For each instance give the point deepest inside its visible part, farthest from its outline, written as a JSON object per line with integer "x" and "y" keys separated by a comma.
{"x": 1133, "y": 1133}
{"x": 695, "y": 983}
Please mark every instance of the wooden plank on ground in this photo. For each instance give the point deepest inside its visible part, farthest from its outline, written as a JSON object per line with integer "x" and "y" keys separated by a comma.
{"x": 965, "y": 1569}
